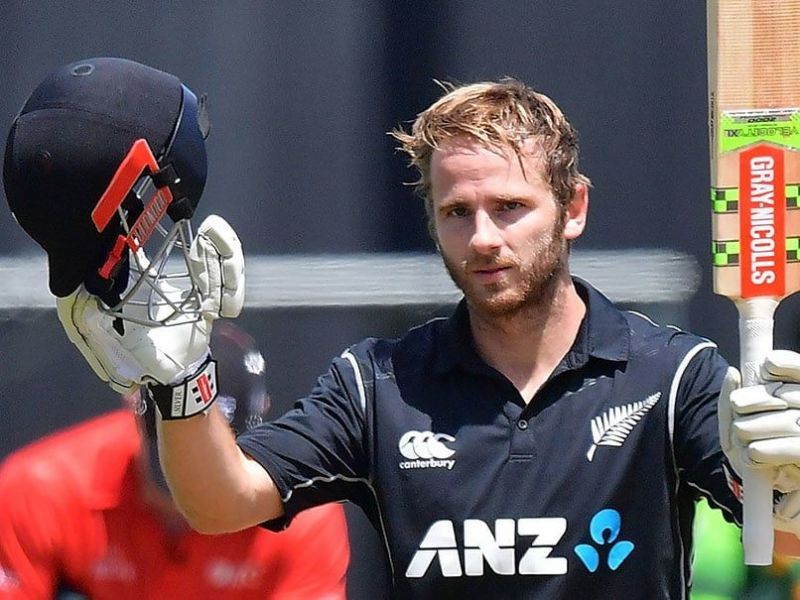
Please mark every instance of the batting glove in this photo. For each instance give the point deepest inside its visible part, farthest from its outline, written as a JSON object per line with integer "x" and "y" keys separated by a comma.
{"x": 173, "y": 360}
{"x": 759, "y": 428}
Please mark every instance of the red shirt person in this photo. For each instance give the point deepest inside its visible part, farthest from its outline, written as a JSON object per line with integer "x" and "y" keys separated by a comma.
{"x": 84, "y": 509}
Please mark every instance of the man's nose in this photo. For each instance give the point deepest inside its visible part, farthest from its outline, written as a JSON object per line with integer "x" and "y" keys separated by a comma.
{"x": 487, "y": 236}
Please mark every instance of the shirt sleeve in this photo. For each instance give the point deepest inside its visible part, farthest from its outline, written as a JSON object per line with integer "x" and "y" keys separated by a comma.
{"x": 699, "y": 456}
{"x": 315, "y": 555}
{"x": 30, "y": 537}
{"x": 316, "y": 453}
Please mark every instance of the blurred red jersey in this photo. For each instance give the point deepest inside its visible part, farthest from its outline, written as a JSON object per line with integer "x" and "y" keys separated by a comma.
{"x": 72, "y": 513}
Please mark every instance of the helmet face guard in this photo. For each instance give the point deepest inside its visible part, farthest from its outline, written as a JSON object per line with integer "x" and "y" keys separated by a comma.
{"x": 160, "y": 292}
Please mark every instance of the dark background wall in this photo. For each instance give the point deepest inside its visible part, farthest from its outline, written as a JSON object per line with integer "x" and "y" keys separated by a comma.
{"x": 301, "y": 95}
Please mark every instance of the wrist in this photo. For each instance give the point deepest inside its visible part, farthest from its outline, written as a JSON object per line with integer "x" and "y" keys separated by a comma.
{"x": 189, "y": 397}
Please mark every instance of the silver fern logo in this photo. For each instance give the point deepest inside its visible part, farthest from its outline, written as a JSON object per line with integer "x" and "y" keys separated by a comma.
{"x": 613, "y": 426}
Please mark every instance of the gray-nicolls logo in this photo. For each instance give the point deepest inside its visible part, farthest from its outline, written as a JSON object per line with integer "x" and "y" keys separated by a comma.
{"x": 426, "y": 450}
{"x": 613, "y": 426}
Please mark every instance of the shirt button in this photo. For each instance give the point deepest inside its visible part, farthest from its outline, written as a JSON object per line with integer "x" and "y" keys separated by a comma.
{"x": 522, "y": 424}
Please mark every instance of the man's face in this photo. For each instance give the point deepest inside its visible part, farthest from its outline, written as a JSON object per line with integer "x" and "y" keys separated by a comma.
{"x": 502, "y": 235}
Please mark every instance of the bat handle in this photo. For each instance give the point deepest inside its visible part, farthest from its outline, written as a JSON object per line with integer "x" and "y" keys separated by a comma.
{"x": 756, "y": 319}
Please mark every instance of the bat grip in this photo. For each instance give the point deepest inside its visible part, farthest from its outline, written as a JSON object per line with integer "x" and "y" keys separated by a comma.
{"x": 755, "y": 342}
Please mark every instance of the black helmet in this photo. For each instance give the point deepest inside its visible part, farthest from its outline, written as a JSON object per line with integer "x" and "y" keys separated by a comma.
{"x": 73, "y": 136}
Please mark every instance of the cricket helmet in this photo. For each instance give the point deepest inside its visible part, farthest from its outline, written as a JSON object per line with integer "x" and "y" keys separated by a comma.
{"x": 100, "y": 152}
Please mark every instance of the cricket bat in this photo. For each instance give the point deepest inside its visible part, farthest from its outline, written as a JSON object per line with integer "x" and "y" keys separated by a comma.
{"x": 754, "y": 133}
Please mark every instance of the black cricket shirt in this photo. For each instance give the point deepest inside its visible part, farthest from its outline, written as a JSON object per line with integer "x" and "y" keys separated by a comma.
{"x": 587, "y": 491}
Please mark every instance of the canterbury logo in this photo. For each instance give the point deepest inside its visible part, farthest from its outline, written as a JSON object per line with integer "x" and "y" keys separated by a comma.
{"x": 426, "y": 449}
{"x": 613, "y": 426}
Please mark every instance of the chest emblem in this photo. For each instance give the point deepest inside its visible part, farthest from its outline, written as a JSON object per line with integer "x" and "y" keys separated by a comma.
{"x": 426, "y": 450}
{"x": 613, "y": 426}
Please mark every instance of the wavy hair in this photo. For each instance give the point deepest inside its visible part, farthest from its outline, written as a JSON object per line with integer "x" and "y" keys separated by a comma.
{"x": 500, "y": 114}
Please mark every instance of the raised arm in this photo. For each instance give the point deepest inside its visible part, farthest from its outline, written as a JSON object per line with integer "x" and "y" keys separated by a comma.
{"x": 105, "y": 167}
{"x": 217, "y": 487}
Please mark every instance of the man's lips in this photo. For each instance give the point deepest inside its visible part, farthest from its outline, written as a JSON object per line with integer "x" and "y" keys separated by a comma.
{"x": 476, "y": 267}
{"x": 489, "y": 274}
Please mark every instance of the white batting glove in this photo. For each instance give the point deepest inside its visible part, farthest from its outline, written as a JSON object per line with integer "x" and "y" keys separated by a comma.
{"x": 759, "y": 428}
{"x": 142, "y": 354}
{"x": 167, "y": 354}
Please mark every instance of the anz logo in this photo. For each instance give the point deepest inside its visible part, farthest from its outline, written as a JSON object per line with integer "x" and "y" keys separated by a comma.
{"x": 497, "y": 549}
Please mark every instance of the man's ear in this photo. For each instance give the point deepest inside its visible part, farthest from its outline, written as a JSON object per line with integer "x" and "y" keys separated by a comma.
{"x": 576, "y": 212}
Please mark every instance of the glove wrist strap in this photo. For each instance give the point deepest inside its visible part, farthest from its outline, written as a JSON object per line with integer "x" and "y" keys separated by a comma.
{"x": 190, "y": 397}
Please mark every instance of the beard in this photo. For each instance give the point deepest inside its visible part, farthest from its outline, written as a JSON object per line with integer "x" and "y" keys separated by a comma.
{"x": 534, "y": 273}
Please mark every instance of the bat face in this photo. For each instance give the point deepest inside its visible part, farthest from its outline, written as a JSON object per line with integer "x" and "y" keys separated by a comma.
{"x": 754, "y": 107}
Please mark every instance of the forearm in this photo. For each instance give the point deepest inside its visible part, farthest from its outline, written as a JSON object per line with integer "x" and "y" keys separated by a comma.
{"x": 214, "y": 484}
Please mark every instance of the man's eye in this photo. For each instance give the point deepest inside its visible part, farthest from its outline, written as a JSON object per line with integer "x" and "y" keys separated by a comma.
{"x": 512, "y": 205}
{"x": 457, "y": 211}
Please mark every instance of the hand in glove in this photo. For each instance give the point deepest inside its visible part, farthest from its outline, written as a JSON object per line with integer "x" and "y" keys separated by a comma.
{"x": 760, "y": 428}
{"x": 175, "y": 356}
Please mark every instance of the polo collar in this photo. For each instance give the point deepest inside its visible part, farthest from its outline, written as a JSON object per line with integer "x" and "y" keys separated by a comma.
{"x": 604, "y": 333}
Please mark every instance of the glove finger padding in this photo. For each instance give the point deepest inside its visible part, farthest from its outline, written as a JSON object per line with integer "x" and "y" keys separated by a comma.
{"x": 72, "y": 313}
{"x": 777, "y": 451}
{"x": 216, "y": 261}
{"x": 757, "y": 399}
{"x": 781, "y": 365}
{"x": 767, "y": 426}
